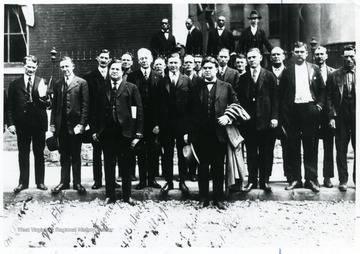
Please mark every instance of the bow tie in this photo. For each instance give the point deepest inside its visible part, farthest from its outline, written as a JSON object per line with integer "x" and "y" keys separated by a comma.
{"x": 349, "y": 70}
{"x": 210, "y": 83}
{"x": 220, "y": 28}
{"x": 167, "y": 31}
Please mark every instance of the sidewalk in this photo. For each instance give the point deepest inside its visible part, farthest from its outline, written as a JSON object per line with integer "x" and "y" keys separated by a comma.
{"x": 52, "y": 178}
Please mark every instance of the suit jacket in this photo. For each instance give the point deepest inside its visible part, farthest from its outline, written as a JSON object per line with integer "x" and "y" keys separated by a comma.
{"x": 17, "y": 104}
{"x": 224, "y": 96}
{"x": 334, "y": 92}
{"x": 149, "y": 98}
{"x": 230, "y": 76}
{"x": 127, "y": 96}
{"x": 216, "y": 42}
{"x": 160, "y": 45}
{"x": 194, "y": 42}
{"x": 287, "y": 91}
{"x": 94, "y": 80}
{"x": 77, "y": 104}
{"x": 248, "y": 40}
{"x": 174, "y": 109}
{"x": 267, "y": 99}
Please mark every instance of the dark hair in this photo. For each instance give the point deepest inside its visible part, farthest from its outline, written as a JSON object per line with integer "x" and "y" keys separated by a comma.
{"x": 349, "y": 47}
{"x": 210, "y": 59}
{"x": 300, "y": 44}
{"x": 104, "y": 51}
{"x": 198, "y": 55}
{"x": 31, "y": 58}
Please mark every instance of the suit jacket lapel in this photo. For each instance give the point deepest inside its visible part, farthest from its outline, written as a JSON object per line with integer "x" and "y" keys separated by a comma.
{"x": 108, "y": 90}
{"x": 23, "y": 85}
{"x": 310, "y": 72}
{"x": 180, "y": 81}
{"x": 73, "y": 83}
{"x": 260, "y": 80}
{"x": 219, "y": 89}
{"x": 121, "y": 88}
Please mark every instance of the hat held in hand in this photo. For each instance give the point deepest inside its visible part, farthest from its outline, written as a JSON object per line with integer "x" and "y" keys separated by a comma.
{"x": 52, "y": 143}
{"x": 190, "y": 155}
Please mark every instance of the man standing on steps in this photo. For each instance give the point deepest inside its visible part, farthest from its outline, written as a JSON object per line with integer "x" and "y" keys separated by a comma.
{"x": 325, "y": 132}
{"x": 27, "y": 118}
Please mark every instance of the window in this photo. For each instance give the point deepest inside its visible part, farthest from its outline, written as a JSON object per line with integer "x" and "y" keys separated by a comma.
{"x": 15, "y": 34}
{"x": 237, "y": 17}
{"x": 274, "y": 20}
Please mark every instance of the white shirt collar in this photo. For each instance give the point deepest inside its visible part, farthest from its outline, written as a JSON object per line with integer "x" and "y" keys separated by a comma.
{"x": 103, "y": 71}
{"x": 253, "y": 29}
{"x": 26, "y": 78}
{"x": 70, "y": 78}
{"x": 118, "y": 82}
{"x": 191, "y": 29}
{"x": 147, "y": 71}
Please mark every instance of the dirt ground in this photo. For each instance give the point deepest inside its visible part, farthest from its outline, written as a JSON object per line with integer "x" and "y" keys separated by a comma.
{"x": 171, "y": 224}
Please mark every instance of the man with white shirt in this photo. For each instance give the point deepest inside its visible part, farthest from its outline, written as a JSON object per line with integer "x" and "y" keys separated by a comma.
{"x": 162, "y": 42}
{"x": 173, "y": 111}
{"x": 258, "y": 95}
{"x": 253, "y": 36}
{"x": 69, "y": 116}
{"x": 27, "y": 118}
{"x": 219, "y": 38}
{"x": 302, "y": 98}
{"x": 95, "y": 79}
{"x": 146, "y": 81}
{"x": 226, "y": 73}
{"x": 325, "y": 132}
{"x": 194, "y": 40}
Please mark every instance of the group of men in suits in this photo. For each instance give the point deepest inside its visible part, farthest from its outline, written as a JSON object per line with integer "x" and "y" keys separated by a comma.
{"x": 125, "y": 108}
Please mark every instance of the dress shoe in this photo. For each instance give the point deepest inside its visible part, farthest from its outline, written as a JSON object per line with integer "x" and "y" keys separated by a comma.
{"x": 266, "y": 187}
{"x": 117, "y": 186}
{"x": 79, "y": 188}
{"x": 140, "y": 186}
{"x": 60, "y": 187}
{"x": 109, "y": 201}
{"x": 312, "y": 186}
{"x": 41, "y": 186}
{"x": 184, "y": 189}
{"x": 154, "y": 184}
{"x": 134, "y": 178}
{"x": 130, "y": 201}
{"x": 327, "y": 182}
{"x": 220, "y": 205}
{"x": 342, "y": 186}
{"x": 193, "y": 178}
{"x": 168, "y": 186}
{"x": 294, "y": 185}
{"x": 249, "y": 187}
{"x": 20, "y": 188}
{"x": 203, "y": 203}
{"x": 96, "y": 186}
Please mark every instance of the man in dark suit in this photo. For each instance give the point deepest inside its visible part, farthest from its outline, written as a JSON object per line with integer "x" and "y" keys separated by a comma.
{"x": 219, "y": 38}
{"x": 96, "y": 79}
{"x": 302, "y": 98}
{"x": 210, "y": 98}
{"x": 162, "y": 42}
{"x": 194, "y": 40}
{"x": 341, "y": 99}
{"x": 146, "y": 81}
{"x": 253, "y": 36}
{"x": 69, "y": 116}
{"x": 117, "y": 123}
{"x": 325, "y": 132}
{"x": 173, "y": 108}
{"x": 27, "y": 118}
{"x": 277, "y": 67}
{"x": 226, "y": 73}
{"x": 258, "y": 94}
{"x": 198, "y": 61}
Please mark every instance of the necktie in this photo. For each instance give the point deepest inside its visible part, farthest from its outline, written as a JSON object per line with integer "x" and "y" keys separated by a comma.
{"x": 145, "y": 75}
{"x": 173, "y": 80}
{"x": 254, "y": 75}
{"x": 113, "y": 101}
{"x": 29, "y": 89}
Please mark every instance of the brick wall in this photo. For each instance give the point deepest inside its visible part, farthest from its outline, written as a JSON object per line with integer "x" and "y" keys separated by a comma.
{"x": 79, "y": 28}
